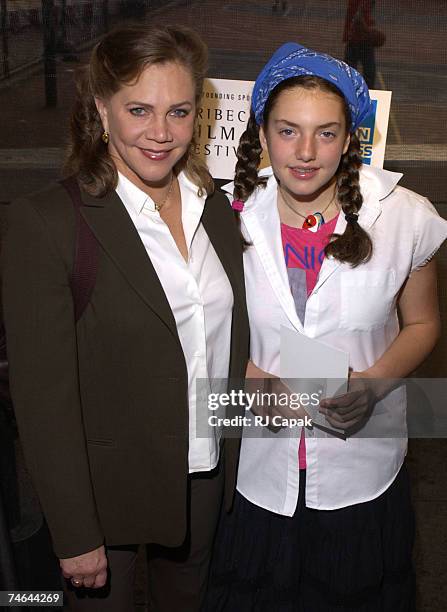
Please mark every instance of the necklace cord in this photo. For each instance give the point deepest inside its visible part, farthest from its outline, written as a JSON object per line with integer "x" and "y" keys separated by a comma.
{"x": 158, "y": 207}
{"x": 305, "y": 217}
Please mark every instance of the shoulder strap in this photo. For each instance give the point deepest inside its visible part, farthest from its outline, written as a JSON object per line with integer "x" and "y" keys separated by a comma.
{"x": 85, "y": 264}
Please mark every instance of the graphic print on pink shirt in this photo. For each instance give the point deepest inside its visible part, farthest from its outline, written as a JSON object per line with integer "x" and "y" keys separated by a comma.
{"x": 304, "y": 250}
{"x": 304, "y": 255}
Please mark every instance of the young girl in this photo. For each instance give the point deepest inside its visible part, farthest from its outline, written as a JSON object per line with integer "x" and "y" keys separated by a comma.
{"x": 334, "y": 249}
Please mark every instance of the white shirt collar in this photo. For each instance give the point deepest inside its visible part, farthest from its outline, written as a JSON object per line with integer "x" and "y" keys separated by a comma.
{"x": 373, "y": 181}
{"x": 136, "y": 199}
{"x": 378, "y": 181}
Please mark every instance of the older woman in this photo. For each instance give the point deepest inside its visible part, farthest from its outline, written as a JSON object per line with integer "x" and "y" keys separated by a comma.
{"x": 106, "y": 402}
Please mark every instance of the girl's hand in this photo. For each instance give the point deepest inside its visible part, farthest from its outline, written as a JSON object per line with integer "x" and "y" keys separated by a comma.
{"x": 352, "y": 409}
{"x": 264, "y": 382}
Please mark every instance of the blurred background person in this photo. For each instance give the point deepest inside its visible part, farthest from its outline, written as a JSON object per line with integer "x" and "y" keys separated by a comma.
{"x": 359, "y": 51}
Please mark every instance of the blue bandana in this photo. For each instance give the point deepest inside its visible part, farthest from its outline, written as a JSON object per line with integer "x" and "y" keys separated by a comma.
{"x": 293, "y": 60}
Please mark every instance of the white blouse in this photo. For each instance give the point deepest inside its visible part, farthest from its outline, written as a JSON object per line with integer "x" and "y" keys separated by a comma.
{"x": 350, "y": 309}
{"x": 199, "y": 294}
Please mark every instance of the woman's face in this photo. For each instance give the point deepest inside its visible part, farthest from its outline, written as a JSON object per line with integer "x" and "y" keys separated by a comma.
{"x": 151, "y": 123}
{"x": 305, "y": 138}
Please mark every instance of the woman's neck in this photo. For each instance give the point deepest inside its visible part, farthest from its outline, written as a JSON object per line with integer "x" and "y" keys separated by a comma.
{"x": 157, "y": 191}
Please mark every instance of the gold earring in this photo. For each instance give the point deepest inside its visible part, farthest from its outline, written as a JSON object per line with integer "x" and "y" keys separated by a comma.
{"x": 105, "y": 137}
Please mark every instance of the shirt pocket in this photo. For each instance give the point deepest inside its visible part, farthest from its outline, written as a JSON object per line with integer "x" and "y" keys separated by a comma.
{"x": 367, "y": 298}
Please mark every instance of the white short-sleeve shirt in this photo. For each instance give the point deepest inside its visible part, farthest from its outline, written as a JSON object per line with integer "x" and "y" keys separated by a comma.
{"x": 351, "y": 309}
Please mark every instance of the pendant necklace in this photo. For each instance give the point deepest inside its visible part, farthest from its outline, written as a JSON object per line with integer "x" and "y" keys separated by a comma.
{"x": 312, "y": 222}
{"x": 158, "y": 207}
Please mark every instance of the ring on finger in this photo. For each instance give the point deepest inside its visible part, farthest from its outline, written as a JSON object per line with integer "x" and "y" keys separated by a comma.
{"x": 76, "y": 582}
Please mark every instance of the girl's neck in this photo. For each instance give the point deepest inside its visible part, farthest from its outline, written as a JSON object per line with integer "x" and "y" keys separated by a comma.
{"x": 293, "y": 209}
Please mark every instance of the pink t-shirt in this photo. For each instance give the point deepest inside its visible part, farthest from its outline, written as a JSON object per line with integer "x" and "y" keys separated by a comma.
{"x": 304, "y": 255}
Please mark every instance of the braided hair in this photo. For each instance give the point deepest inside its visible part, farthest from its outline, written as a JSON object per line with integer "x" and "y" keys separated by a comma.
{"x": 246, "y": 177}
{"x": 354, "y": 246}
{"x": 248, "y": 161}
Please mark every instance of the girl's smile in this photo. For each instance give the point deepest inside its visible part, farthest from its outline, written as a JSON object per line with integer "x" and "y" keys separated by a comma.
{"x": 305, "y": 138}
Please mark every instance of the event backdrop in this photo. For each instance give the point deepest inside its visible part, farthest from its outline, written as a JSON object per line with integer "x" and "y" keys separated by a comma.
{"x": 224, "y": 113}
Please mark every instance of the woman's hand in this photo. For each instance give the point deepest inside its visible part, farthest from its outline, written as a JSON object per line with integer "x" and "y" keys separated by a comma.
{"x": 352, "y": 409}
{"x": 87, "y": 570}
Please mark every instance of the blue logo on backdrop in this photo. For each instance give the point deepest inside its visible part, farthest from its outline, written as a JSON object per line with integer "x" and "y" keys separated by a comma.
{"x": 366, "y": 135}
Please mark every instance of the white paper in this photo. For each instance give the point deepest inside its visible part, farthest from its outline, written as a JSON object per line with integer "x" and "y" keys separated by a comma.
{"x": 312, "y": 367}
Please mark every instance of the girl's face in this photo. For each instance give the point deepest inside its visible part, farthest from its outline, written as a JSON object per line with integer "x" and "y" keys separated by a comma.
{"x": 151, "y": 123}
{"x": 305, "y": 137}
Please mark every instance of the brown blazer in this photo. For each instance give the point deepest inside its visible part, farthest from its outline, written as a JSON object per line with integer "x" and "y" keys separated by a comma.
{"x": 102, "y": 407}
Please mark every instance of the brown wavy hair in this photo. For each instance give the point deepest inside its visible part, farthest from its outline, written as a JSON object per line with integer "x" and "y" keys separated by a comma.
{"x": 118, "y": 60}
{"x": 354, "y": 246}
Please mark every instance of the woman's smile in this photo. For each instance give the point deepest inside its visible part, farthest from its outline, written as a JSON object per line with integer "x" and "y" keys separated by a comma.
{"x": 155, "y": 155}
{"x": 157, "y": 111}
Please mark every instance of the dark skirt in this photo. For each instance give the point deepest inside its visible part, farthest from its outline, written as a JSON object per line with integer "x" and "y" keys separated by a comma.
{"x": 355, "y": 558}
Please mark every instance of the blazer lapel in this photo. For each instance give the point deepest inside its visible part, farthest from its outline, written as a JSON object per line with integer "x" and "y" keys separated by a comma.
{"x": 368, "y": 214}
{"x": 223, "y": 247}
{"x": 375, "y": 185}
{"x": 264, "y": 231}
{"x": 114, "y": 230}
